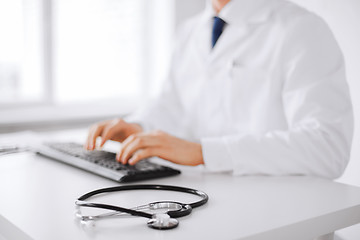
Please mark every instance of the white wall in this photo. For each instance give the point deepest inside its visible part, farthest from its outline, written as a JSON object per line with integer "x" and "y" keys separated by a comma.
{"x": 187, "y": 8}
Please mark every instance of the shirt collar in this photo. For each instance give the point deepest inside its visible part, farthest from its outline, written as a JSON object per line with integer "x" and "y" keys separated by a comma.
{"x": 241, "y": 11}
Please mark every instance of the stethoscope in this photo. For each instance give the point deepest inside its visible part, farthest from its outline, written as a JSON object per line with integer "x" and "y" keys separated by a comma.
{"x": 165, "y": 220}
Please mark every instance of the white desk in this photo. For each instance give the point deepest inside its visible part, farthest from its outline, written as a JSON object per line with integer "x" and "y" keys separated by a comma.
{"x": 38, "y": 194}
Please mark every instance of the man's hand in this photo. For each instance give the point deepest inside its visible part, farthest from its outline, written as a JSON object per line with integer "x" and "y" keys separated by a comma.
{"x": 116, "y": 129}
{"x": 160, "y": 144}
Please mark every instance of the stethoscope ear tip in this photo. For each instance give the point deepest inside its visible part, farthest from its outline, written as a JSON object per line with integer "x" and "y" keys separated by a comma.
{"x": 162, "y": 221}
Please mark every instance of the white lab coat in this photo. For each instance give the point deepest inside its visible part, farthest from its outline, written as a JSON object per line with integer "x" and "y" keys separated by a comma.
{"x": 270, "y": 98}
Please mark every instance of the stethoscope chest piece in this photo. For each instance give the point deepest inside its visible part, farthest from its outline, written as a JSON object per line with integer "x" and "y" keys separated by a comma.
{"x": 162, "y": 221}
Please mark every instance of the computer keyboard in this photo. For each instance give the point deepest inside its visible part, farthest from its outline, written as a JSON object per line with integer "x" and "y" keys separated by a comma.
{"x": 103, "y": 163}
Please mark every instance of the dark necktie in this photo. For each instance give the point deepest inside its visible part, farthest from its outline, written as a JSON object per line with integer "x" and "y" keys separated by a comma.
{"x": 217, "y": 30}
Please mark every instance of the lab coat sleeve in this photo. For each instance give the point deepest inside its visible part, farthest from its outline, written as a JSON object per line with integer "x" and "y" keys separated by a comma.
{"x": 161, "y": 113}
{"x": 317, "y": 107}
{"x": 164, "y": 112}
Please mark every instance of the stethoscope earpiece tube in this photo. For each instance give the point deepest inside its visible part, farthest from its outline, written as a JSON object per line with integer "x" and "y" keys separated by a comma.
{"x": 114, "y": 208}
{"x": 157, "y": 221}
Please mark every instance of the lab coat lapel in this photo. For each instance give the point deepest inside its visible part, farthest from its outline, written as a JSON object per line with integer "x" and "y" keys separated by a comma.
{"x": 227, "y": 41}
{"x": 240, "y": 14}
{"x": 203, "y": 42}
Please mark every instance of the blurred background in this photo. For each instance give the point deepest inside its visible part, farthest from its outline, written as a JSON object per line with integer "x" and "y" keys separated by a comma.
{"x": 69, "y": 63}
{"x": 66, "y": 63}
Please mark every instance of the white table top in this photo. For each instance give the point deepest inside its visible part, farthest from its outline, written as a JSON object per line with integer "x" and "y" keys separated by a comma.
{"x": 38, "y": 194}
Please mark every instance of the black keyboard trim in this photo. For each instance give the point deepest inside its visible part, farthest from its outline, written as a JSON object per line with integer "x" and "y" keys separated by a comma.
{"x": 99, "y": 170}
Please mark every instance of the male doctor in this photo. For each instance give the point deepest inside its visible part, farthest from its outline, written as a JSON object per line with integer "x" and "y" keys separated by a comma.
{"x": 255, "y": 87}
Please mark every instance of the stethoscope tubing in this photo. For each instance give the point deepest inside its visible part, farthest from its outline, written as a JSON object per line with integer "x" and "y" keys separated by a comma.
{"x": 188, "y": 207}
{"x": 202, "y": 194}
{"x": 115, "y": 208}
